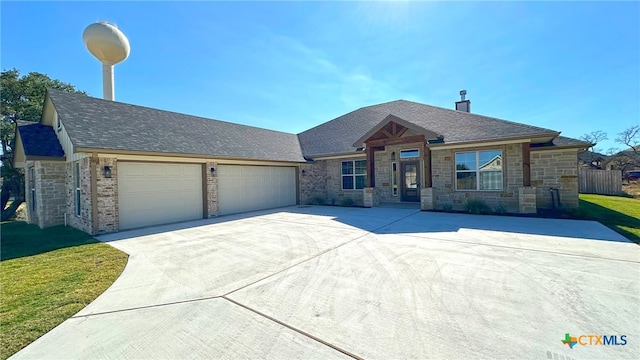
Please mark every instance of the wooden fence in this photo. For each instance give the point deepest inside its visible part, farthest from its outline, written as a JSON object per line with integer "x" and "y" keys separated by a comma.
{"x": 603, "y": 182}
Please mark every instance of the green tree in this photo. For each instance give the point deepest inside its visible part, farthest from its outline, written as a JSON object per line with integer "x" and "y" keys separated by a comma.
{"x": 22, "y": 98}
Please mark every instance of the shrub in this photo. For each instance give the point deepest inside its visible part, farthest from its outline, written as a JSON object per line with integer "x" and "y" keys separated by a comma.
{"x": 477, "y": 206}
{"x": 447, "y": 207}
{"x": 347, "y": 202}
{"x": 317, "y": 201}
{"x": 500, "y": 209}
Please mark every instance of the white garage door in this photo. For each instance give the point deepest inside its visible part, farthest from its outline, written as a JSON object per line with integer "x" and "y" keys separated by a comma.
{"x": 155, "y": 193}
{"x": 246, "y": 188}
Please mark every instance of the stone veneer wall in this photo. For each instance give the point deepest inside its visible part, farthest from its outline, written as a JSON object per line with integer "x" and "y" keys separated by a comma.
{"x": 335, "y": 194}
{"x": 211, "y": 182}
{"x": 108, "y": 216}
{"x": 107, "y": 195}
{"x": 442, "y": 168}
{"x": 555, "y": 169}
{"x": 383, "y": 170}
{"x": 84, "y": 221}
{"x": 313, "y": 181}
{"x": 50, "y": 193}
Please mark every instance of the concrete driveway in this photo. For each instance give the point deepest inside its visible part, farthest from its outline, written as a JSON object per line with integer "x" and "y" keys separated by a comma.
{"x": 329, "y": 282}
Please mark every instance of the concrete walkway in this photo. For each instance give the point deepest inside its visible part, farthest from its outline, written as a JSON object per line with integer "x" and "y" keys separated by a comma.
{"x": 330, "y": 282}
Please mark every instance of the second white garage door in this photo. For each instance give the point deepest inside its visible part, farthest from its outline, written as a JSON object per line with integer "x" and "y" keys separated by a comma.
{"x": 157, "y": 193}
{"x": 246, "y": 188}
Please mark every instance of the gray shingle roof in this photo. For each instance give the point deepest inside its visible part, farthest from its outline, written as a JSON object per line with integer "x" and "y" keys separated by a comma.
{"x": 101, "y": 124}
{"x": 39, "y": 140}
{"x": 339, "y": 135}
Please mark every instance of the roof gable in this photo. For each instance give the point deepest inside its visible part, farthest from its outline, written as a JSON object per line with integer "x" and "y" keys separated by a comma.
{"x": 342, "y": 133}
{"x": 93, "y": 123}
{"x": 39, "y": 141}
{"x": 391, "y": 120}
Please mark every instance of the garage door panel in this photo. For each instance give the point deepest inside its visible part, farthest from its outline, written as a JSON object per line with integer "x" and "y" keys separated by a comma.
{"x": 247, "y": 188}
{"x": 154, "y": 193}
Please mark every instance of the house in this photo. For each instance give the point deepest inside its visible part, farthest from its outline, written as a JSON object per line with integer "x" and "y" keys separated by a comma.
{"x": 103, "y": 166}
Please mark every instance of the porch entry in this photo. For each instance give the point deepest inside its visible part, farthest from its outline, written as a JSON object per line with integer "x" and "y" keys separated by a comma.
{"x": 410, "y": 181}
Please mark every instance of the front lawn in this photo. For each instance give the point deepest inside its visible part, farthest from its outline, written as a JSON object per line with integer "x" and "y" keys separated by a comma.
{"x": 621, "y": 214}
{"x": 46, "y": 277}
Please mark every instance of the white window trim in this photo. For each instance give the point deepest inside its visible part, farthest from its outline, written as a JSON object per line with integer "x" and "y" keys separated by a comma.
{"x": 58, "y": 123}
{"x": 477, "y": 171}
{"x": 76, "y": 182}
{"x": 411, "y": 157}
{"x": 353, "y": 162}
{"x": 394, "y": 179}
{"x": 32, "y": 188}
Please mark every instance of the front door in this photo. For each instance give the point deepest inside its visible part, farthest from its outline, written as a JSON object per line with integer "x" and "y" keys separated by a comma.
{"x": 410, "y": 181}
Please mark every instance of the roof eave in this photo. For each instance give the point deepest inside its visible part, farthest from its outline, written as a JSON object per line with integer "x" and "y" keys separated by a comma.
{"x": 45, "y": 158}
{"x": 183, "y": 155}
{"x": 556, "y": 147}
{"x": 485, "y": 142}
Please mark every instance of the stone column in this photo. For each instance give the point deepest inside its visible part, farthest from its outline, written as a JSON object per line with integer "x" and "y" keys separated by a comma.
{"x": 426, "y": 198}
{"x": 211, "y": 185}
{"x": 527, "y": 200}
{"x": 368, "y": 197}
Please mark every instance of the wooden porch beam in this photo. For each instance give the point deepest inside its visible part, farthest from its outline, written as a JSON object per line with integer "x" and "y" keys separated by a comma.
{"x": 386, "y": 133}
{"x": 394, "y": 141}
{"x": 401, "y": 132}
{"x": 427, "y": 167}
{"x": 371, "y": 167}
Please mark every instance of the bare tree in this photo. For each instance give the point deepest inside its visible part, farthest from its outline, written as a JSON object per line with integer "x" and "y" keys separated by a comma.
{"x": 629, "y": 158}
{"x": 631, "y": 138}
{"x": 594, "y": 157}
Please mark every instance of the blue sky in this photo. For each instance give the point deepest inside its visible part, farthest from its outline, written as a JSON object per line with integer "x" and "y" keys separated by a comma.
{"x": 568, "y": 66}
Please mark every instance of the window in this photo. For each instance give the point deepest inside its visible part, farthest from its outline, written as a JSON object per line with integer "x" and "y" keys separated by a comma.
{"x": 407, "y": 154}
{"x": 57, "y": 121}
{"x": 77, "y": 184}
{"x": 479, "y": 170}
{"x": 32, "y": 186}
{"x": 354, "y": 174}
{"x": 394, "y": 178}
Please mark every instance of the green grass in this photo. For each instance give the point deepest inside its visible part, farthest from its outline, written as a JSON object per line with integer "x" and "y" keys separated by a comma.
{"x": 622, "y": 214}
{"x": 46, "y": 277}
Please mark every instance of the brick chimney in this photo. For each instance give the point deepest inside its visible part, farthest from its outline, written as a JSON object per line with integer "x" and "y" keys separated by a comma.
{"x": 463, "y": 105}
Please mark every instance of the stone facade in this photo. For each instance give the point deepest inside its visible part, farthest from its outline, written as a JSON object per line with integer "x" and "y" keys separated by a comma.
{"x": 383, "y": 160}
{"x": 211, "y": 183}
{"x": 368, "y": 195}
{"x": 444, "y": 192}
{"x": 527, "y": 200}
{"x": 107, "y": 199}
{"x": 55, "y": 185}
{"x": 335, "y": 194}
{"x": 84, "y": 220}
{"x": 46, "y": 205}
{"x": 313, "y": 183}
{"x": 426, "y": 199}
{"x": 557, "y": 169}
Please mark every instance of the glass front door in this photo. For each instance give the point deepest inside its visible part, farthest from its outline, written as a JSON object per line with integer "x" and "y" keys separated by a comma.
{"x": 410, "y": 181}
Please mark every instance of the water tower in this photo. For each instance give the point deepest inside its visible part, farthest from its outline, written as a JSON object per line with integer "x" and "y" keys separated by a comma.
{"x": 110, "y": 46}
